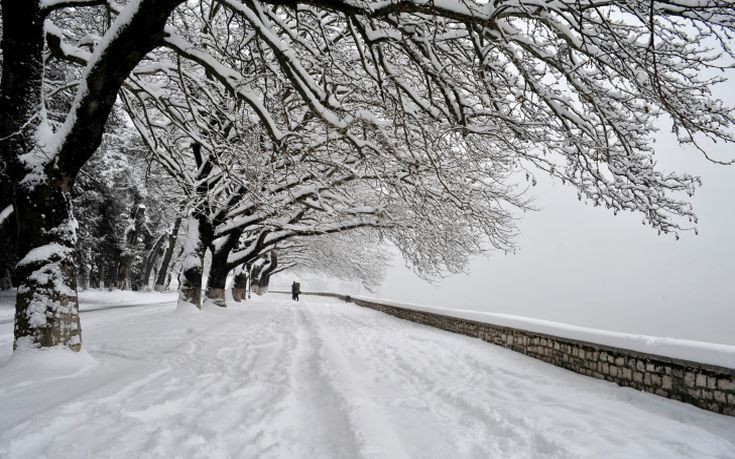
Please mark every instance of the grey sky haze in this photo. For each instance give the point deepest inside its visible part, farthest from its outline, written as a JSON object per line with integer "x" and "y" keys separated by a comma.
{"x": 580, "y": 264}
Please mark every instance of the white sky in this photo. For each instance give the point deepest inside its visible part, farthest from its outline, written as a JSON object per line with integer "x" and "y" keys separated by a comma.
{"x": 580, "y": 264}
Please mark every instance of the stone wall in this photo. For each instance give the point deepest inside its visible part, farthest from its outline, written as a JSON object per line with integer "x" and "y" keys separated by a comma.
{"x": 707, "y": 386}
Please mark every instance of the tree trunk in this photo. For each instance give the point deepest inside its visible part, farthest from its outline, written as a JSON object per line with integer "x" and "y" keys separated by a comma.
{"x": 154, "y": 255}
{"x": 47, "y": 309}
{"x": 84, "y": 273}
{"x": 101, "y": 273}
{"x": 161, "y": 283}
{"x": 6, "y": 282}
{"x": 217, "y": 280}
{"x": 239, "y": 286}
{"x": 200, "y": 234}
{"x": 43, "y": 168}
{"x": 130, "y": 246}
{"x": 219, "y": 269}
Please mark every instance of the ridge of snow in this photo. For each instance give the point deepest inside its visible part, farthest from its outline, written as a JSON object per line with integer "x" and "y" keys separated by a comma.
{"x": 44, "y": 252}
{"x": 5, "y": 213}
{"x": 696, "y": 351}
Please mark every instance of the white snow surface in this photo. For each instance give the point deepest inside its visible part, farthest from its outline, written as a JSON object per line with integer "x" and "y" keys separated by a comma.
{"x": 320, "y": 378}
{"x": 94, "y": 299}
{"x": 712, "y": 353}
{"x": 5, "y": 213}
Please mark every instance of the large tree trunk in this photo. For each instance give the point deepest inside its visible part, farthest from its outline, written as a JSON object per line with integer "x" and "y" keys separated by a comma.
{"x": 43, "y": 167}
{"x": 128, "y": 251}
{"x": 265, "y": 274}
{"x": 47, "y": 309}
{"x": 200, "y": 234}
{"x": 85, "y": 272}
{"x": 154, "y": 255}
{"x": 240, "y": 285}
{"x": 219, "y": 269}
{"x": 161, "y": 278}
{"x": 217, "y": 280}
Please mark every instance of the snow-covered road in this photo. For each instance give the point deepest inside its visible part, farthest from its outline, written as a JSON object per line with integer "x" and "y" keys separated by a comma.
{"x": 270, "y": 378}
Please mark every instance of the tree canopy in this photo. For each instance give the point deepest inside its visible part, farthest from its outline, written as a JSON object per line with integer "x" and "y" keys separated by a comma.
{"x": 281, "y": 121}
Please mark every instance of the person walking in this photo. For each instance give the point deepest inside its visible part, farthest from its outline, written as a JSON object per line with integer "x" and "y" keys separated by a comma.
{"x": 295, "y": 291}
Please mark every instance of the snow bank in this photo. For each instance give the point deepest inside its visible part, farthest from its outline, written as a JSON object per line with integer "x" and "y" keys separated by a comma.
{"x": 29, "y": 360}
{"x": 710, "y": 353}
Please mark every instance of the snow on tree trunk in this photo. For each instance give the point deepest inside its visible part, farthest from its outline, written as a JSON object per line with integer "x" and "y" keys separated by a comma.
{"x": 217, "y": 278}
{"x": 127, "y": 254}
{"x": 192, "y": 267}
{"x": 47, "y": 308}
{"x": 240, "y": 284}
{"x": 153, "y": 258}
{"x": 219, "y": 269}
{"x": 161, "y": 283}
{"x": 84, "y": 273}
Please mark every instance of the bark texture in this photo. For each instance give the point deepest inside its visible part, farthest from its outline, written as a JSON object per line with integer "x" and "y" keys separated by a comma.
{"x": 239, "y": 286}
{"x": 200, "y": 235}
{"x": 162, "y": 275}
{"x": 43, "y": 169}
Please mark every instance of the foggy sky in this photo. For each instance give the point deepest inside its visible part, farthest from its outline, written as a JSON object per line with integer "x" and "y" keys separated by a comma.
{"x": 580, "y": 264}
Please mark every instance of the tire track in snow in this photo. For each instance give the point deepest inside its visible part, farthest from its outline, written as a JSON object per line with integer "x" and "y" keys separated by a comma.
{"x": 368, "y": 421}
{"x": 313, "y": 422}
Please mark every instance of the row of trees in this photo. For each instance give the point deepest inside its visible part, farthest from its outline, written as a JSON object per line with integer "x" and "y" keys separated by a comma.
{"x": 275, "y": 128}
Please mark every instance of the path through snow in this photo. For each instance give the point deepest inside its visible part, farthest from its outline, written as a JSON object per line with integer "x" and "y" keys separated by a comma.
{"x": 270, "y": 378}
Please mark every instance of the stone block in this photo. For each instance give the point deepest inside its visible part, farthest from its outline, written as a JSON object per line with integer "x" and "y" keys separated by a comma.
{"x": 666, "y": 382}
{"x": 638, "y": 377}
{"x": 614, "y": 371}
{"x": 620, "y": 361}
{"x": 711, "y": 382}
{"x": 640, "y": 365}
{"x": 726, "y": 384}
{"x": 720, "y": 396}
{"x": 649, "y": 367}
{"x": 627, "y": 373}
{"x": 701, "y": 380}
{"x": 689, "y": 378}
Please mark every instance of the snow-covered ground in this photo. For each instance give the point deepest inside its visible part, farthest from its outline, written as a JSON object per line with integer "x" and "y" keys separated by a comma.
{"x": 94, "y": 300}
{"x": 321, "y": 378}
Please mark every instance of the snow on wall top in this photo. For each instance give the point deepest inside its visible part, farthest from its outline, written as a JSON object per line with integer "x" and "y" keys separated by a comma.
{"x": 697, "y": 351}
